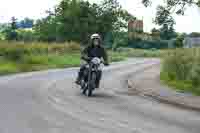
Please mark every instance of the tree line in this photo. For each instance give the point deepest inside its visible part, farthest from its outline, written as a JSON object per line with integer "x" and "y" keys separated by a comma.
{"x": 75, "y": 20}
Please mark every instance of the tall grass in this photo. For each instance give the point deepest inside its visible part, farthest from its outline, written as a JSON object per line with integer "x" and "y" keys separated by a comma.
{"x": 23, "y": 57}
{"x": 181, "y": 68}
{"x": 17, "y": 49}
{"x": 7, "y": 67}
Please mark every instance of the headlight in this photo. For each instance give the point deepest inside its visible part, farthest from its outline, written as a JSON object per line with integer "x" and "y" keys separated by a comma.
{"x": 96, "y": 60}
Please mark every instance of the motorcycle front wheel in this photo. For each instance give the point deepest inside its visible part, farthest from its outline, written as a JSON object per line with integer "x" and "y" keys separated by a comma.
{"x": 91, "y": 84}
{"x": 84, "y": 88}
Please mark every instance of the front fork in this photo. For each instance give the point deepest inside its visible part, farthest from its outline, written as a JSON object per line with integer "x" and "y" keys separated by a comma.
{"x": 96, "y": 78}
{"x": 91, "y": 80}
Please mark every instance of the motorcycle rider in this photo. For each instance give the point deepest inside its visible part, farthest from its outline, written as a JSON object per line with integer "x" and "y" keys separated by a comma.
{"x": 94, "y": 49}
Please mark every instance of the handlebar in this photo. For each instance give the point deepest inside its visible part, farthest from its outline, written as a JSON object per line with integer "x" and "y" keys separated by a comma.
{"x": 89, "y": 59}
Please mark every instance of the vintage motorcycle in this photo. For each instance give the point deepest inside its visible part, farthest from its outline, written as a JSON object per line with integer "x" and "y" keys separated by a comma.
{"x": 92, "y": 75}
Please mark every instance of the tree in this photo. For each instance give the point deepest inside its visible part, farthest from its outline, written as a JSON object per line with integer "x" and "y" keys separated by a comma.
{"x": 10, "y": 31}
{"x": 26, "y": 23}
{"x": 164, "y": 19}
{"x": 108, "y": 40}
{"x": 113, "y": 16}
{"x": 154, "y": 30}
{"x": 171, "y": 6}
{"x": 120, "y": 39}
{"x": 13, "y": 23}
{"x": 177, "y": 6}
{"x": 179, "y": 41}
{"x": 172, "y": 32}
{"x": 155, "y": 34}
{"x": 75, "y": 20}
{"x": 194, "y": 34}
{"x": 167, "y": 32}
{"x": 46, "y": 29}
{"x": 72, "y": 20}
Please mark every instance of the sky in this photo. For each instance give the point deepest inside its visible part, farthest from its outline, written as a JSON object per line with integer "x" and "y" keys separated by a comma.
{"x": 36, "y": 9}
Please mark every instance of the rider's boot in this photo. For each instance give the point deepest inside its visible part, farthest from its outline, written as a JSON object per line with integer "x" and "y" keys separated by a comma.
{"x": 78, "y": 81}
{"x": 80, "y": 75}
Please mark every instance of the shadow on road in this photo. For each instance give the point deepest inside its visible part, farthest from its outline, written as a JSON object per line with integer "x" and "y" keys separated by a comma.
{"x": 98, "y": 95}
{"x": 103, "y": 95}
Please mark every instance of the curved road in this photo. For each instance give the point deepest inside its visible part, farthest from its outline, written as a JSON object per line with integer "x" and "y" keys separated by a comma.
{"x": 49, "y": 102}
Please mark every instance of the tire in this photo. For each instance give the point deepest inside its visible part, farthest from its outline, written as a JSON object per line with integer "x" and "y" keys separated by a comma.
{"x": 84, "y": 88}
{"x": 90, "y": 91}
{"x": 82, "y": 85}
{"x": 92, "y": 84}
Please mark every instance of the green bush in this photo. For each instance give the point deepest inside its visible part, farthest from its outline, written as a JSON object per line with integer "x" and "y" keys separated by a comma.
{"x": 35, "y": 59}
{"x": 179, "y": 41}
{"x": 183, "y": 65}
{"x": 8, "y": 68}
{"x": 12, "y": 52}
{"x": 26, "y": 35}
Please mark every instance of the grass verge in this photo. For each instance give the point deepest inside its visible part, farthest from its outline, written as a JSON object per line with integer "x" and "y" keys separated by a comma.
{"x": 183, "y": 86}
{"x": 181, "y": 70}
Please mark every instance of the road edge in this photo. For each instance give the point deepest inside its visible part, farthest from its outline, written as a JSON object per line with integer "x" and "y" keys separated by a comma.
{"x": 160, "y": 98}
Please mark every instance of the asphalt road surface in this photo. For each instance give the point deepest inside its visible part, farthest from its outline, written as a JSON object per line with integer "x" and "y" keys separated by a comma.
{"x": 50, "y": 102}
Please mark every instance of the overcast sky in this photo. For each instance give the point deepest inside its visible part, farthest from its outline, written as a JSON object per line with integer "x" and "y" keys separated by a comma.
{"x": 36, "y": 9}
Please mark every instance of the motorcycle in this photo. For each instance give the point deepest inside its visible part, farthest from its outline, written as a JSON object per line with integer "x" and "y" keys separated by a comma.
{"x": 91, "y": 76}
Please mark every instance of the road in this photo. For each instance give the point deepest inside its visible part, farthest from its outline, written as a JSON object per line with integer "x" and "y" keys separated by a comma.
{"x": 50, "y": 102}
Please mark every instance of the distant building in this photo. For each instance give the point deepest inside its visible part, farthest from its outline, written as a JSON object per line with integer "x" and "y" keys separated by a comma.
{"x": 190, "y": 42}
{"x": 135, "y": 26}
{"x": 135, "y": 30}
{"x": 145, "y": 36}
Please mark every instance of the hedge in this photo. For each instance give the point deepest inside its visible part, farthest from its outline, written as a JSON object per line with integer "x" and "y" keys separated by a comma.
{"x": 141, "y": 44}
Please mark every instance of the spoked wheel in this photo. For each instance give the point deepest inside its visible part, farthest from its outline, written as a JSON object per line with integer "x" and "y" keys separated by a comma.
{"x": 82, "y": 85}
{"x": 84, "y": 91}
{"x": 90, "y": 91}
{"x": 87, "y": 91}
{"x": 84, "y": 88}
{"x": 92, "y": 85}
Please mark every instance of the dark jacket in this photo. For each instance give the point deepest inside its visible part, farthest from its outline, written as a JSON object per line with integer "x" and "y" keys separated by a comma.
{"x": 92, "y": 51}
